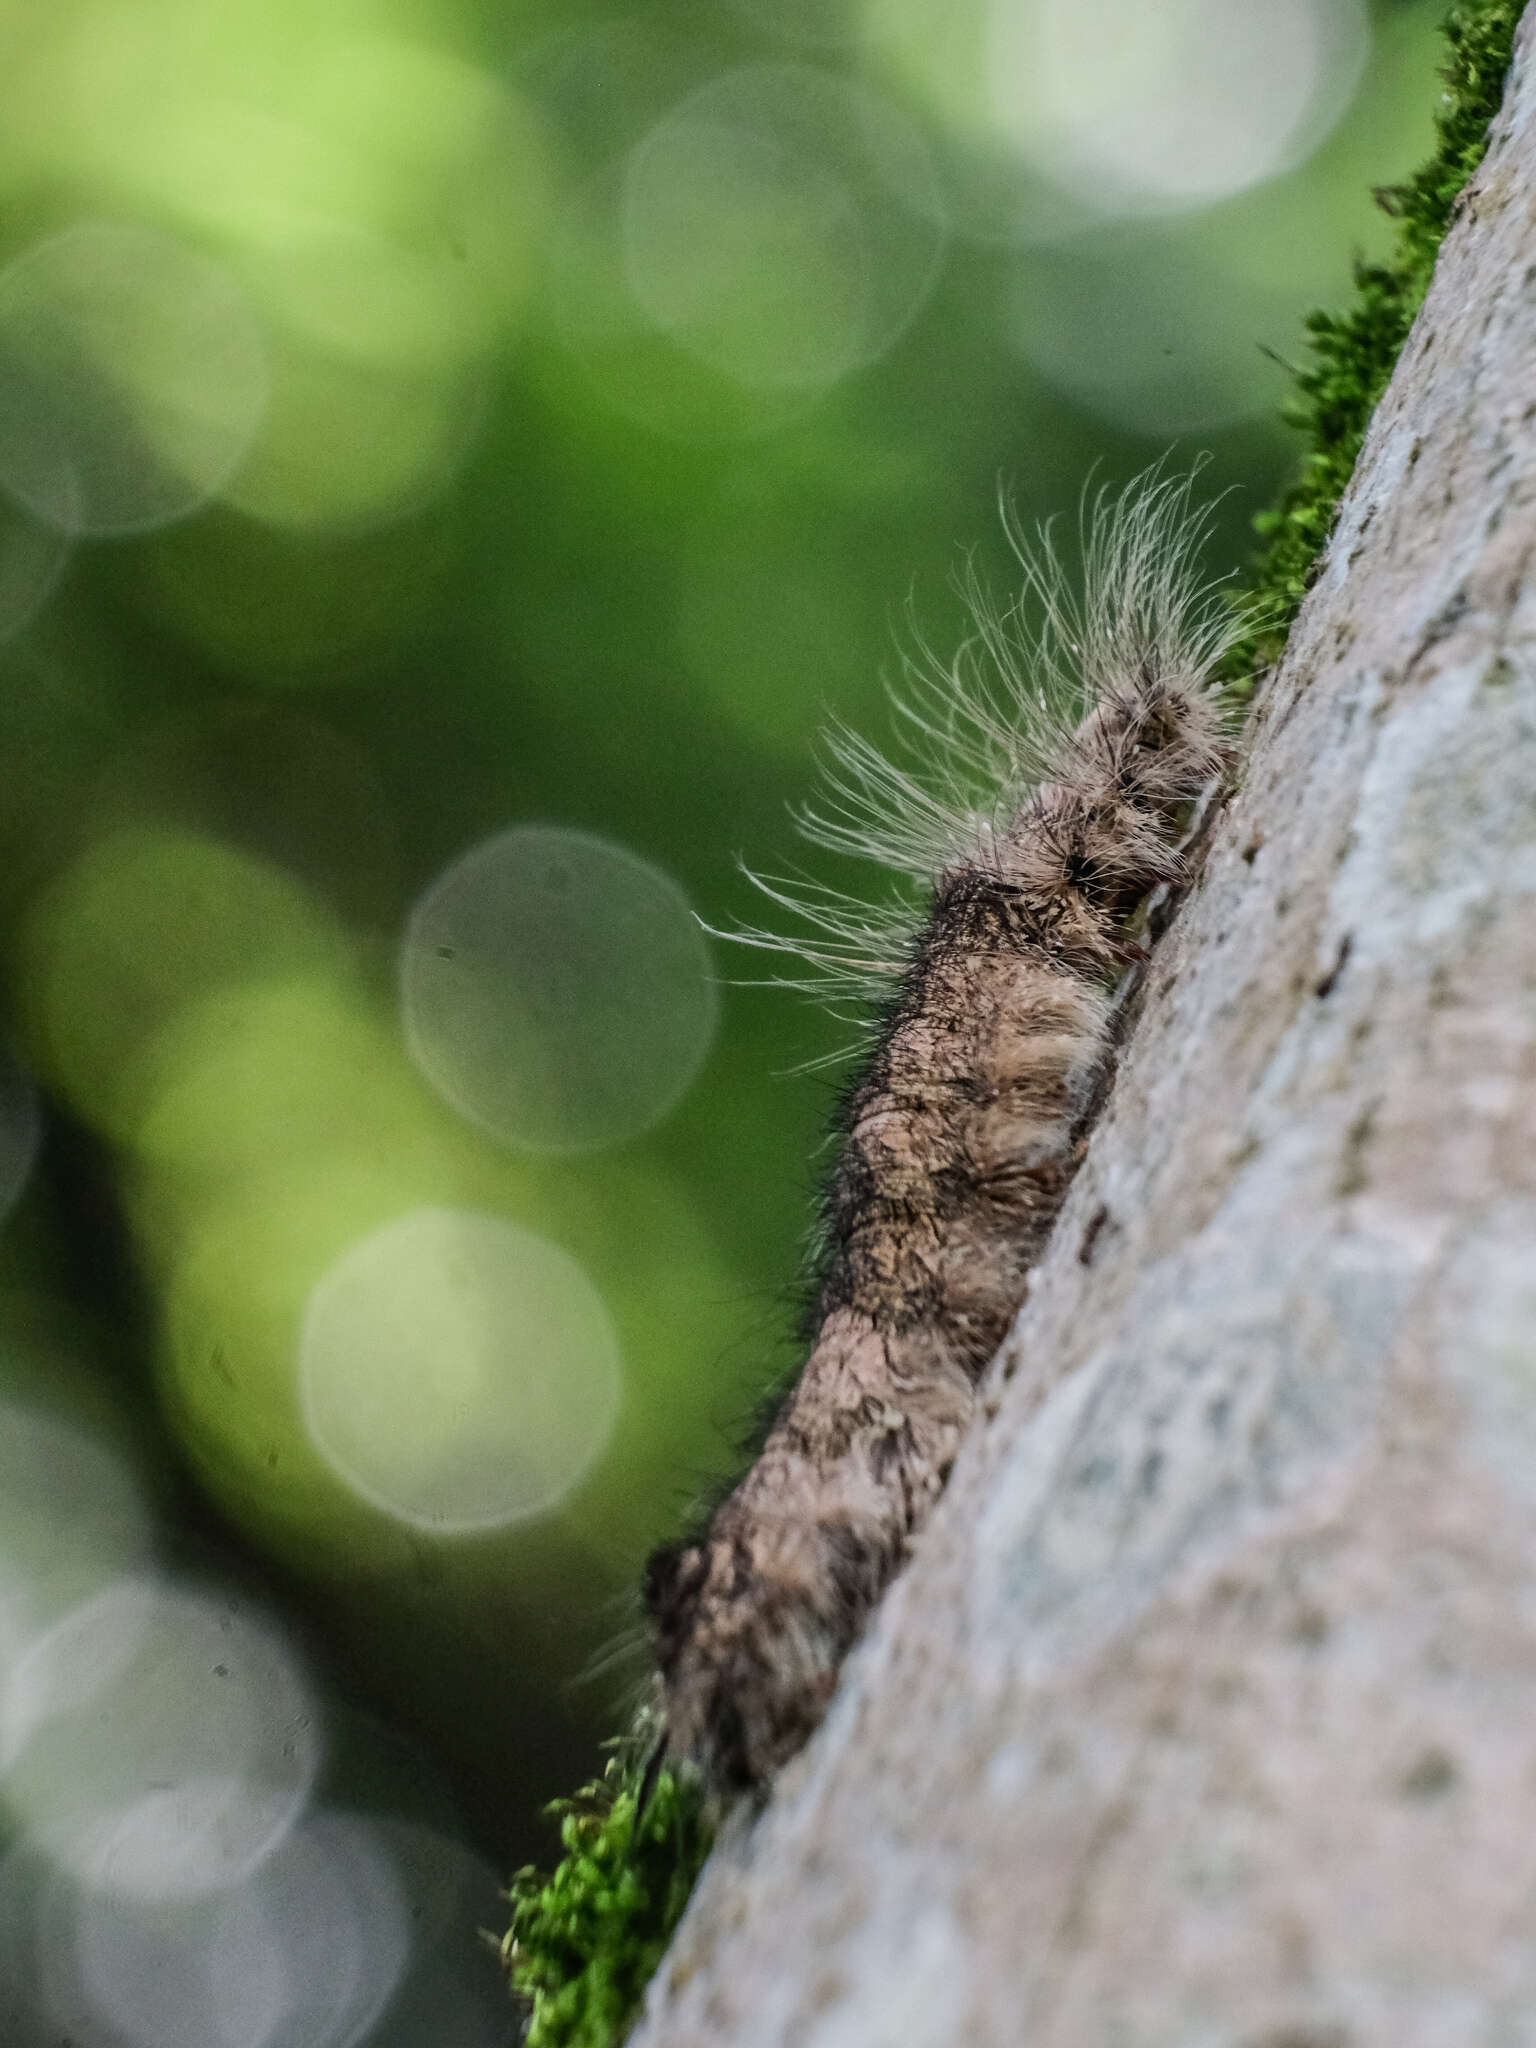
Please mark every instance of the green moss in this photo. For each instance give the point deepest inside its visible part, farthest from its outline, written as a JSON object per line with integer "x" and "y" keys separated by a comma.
{"x": 584, "y": 1942}
{"x": 1353, "y": 353}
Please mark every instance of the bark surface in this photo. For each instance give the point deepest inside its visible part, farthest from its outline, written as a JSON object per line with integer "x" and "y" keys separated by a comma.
{"x": 1205, "y": 1715}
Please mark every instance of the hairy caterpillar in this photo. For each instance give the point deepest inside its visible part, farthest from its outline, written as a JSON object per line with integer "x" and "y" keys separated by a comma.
{"x": 1036, "y": 834}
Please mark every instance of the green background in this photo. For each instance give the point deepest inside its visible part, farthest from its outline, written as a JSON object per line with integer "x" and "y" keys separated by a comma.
{"x": 506, "y": 547}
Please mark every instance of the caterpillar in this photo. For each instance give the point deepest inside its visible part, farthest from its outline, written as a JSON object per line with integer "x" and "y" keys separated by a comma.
{"x": 1062, "y": 753}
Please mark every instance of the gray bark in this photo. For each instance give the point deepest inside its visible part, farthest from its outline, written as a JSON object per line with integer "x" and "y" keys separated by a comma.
{"x": 1206, "y": 1712}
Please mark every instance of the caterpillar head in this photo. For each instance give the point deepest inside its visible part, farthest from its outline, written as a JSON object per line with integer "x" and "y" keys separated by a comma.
{"x": 745, "y": 1668}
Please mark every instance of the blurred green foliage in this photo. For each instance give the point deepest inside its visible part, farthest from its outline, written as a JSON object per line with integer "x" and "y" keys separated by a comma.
{"x": 518, "y": 527}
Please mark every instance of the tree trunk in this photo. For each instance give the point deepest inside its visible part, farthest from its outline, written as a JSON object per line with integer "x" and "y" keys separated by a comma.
{"x": 1206, "y": 1712}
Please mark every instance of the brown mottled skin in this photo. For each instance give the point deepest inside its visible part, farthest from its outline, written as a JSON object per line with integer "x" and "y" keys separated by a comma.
{"x": 959, "y": 1142}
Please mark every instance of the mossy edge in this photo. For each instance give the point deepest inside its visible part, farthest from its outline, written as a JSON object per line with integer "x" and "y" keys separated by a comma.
{"x": 584, "y": 1941}
{"x": 1354, "y": 353}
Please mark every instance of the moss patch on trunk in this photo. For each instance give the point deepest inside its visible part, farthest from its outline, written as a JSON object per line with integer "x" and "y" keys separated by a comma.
{"x": 1353, "y": 353}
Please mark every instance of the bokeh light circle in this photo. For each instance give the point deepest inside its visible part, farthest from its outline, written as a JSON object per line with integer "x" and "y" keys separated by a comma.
{"x": 1056, "y": 114}
{"x": 620, "y": 356}
{"x": 305, "y": 1954}
{"x": 160, "y": 1742}
{"x": 458, "y": 1371}
{"x": 72, "y": 1519}
{"x": 1182, "y": 103}
{"x": 602, "y": 85}
{"x": 783, "y": 225}
{"x": 133, "y": 379}
{"x": 145, "y": 925}
{"x": 556, "y": 989}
